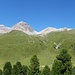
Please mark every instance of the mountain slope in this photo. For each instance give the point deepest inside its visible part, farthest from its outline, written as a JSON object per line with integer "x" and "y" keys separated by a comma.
{"x": 18, "y": 46}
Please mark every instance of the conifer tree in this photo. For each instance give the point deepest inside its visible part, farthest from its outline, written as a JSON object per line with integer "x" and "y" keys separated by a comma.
{"x": 14, "y": 70}
{"x": 7, "y": 68}
{"x": 34, "y": 66}
{"x": 24, "y": 70}
{"x": 62, "y": 65}
{"x": 17, "y": 69}
{"x": 46, "y": 70}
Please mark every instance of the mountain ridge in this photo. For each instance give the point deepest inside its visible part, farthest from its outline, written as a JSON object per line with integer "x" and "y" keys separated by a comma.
{"x": 24, "y": 27}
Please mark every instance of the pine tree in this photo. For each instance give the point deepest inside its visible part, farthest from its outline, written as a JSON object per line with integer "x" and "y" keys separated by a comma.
{"x": 17, "y": 69}
{"x": 62, "y": 65}
{"x": 7, "y": 68}
{"x": 46, "y": 70}
{"x": 14, "y": 70}
{"x": 56, "y": 67}
{"x": 34, "y": 66}
{"x": 24, "y": 70}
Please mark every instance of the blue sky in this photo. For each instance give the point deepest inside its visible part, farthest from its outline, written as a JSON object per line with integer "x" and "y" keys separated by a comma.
{"x": 38, "y": 13}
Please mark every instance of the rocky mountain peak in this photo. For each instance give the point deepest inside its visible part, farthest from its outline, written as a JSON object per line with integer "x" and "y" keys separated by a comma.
{"x": 23, "y": 26}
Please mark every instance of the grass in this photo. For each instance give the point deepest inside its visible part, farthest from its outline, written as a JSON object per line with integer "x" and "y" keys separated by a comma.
{"x": 18, "y": 46}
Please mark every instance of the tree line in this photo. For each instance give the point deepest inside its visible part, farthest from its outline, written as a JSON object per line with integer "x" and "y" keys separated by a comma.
{"x": 62, "y": 66}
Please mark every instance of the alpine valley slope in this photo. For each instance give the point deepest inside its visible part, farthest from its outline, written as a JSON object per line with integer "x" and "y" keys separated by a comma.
{"x": 18, "y": 46}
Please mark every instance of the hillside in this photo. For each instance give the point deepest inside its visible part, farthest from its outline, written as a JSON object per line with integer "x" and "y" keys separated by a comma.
{"x": 18, "y": 46}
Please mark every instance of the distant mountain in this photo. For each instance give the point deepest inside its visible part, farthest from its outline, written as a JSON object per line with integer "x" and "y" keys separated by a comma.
{"x": 23, "y": 26}
{"x": 4, "y": 29}
{"x": 51, "y": 29}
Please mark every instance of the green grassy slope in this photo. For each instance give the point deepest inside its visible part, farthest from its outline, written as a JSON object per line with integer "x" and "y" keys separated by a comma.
{"x": 18, "y": 46}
